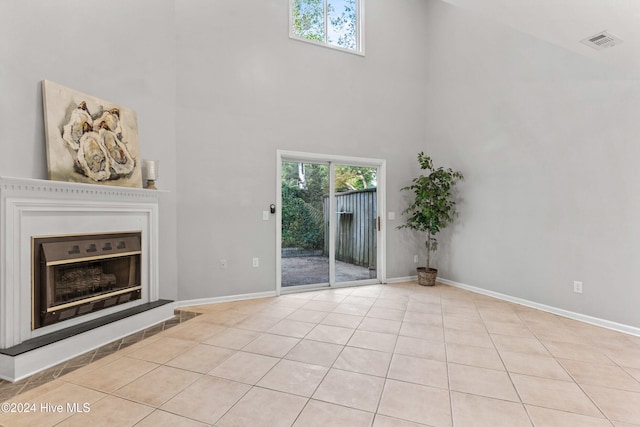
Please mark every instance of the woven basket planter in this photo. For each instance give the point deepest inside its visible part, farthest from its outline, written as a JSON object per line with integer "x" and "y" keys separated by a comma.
{"x": 427, "y": 277}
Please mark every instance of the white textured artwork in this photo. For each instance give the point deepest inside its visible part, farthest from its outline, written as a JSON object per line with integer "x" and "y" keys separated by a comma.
{"x": 88, "y": 139}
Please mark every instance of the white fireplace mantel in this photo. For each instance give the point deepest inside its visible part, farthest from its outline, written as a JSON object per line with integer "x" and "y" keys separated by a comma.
{"x": 32, "y": 207}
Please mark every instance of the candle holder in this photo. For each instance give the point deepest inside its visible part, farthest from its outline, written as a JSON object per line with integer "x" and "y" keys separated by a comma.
{"x": 150, "y": 173}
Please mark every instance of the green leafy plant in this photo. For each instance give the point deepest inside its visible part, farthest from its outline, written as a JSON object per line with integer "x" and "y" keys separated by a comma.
{"x": 320, "y": 21}
{"x": 432, "y": 208}
{"x": 301, "y": 223}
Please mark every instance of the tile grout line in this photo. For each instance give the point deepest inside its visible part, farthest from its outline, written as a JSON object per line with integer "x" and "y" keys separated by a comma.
{"x": 564, "y": 369}
{"x": 515, "y": 389}
{"x": 446, "y": 362}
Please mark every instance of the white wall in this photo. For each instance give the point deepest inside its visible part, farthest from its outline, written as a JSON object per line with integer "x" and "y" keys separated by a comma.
{"x": 548, "y": 143}
{"x": 121, "y": 51}
{"x": 546, "y": 139}
{"x": 245, "y": 90}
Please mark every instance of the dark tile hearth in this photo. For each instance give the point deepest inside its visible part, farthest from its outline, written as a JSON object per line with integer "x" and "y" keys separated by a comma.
{"x": 9, "y": 389}
{"x": 78, "y": 329}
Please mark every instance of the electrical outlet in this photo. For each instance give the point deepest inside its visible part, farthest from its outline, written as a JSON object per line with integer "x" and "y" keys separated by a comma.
{"x": 577, "y": 287}
{"x": 415, "y": 259}
{"x": 256, "y": 262}
{"x": 265, "y": 215}
{"x": 223, "y": 264}
{"x": 391, "y": 216}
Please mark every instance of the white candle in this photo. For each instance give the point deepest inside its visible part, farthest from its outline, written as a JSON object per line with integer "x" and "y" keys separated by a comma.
{"x": 151, "y": 169}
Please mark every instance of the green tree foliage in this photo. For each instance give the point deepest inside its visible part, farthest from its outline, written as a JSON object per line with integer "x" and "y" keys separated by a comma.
{"x": 300, "y": 226}
{"x": 432, "y": 207}
{"x": 349, "y": 178}
{"x": 302, "y": 219}
{"x": 290, "y": 174}
{"x": 344, "y": 25}
{"x": 309, "y": 17}
{"x": 302, "y": 199}
{"x": 315, "y": 184}
{"x": 316, "y": 179}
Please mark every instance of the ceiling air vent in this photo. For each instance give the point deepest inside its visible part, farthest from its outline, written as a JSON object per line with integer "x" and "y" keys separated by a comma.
{"x": 602, "y": 40}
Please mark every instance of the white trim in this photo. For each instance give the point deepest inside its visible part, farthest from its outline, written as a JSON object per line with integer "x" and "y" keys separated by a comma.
{"x": 326, "y": 287}
{"x": 304, "y": 288}
{"x": 360, "y": 27}
{"x": 325, "y": 10}
{"x": 278, "y": 203}
{"x": 381, "y": 204}
{"x": 352, "y": 284}
{"x": 631, "y": 330}
{"x": 327, "y": 45}
{"x": 228, "y": 298}
{"x": 332, "y": 224}
{"x": 329, "y": 158}
{"x": 402, "y": 279}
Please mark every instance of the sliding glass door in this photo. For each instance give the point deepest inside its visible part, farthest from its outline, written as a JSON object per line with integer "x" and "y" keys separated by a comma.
{"x": 329, "y": 227}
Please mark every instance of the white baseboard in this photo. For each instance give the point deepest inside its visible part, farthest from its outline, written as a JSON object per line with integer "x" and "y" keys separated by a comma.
{"x": 402, "y": 279}
{"x": 229, "y": 298}
{"x": 631, "y": 330}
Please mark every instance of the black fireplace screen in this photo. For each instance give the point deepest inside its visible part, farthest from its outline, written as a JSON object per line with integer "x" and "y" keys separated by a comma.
{"x": 80, "y": 274}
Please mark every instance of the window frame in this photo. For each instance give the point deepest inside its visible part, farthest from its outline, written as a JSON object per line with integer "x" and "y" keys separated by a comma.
{"x": 359, "y": 50}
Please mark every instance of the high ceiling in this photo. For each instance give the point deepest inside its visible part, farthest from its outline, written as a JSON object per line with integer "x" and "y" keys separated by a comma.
{"x": 566, "y": 22}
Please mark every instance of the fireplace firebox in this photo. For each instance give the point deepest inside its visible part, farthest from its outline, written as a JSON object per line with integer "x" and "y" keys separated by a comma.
{"x": 75, "y": 275}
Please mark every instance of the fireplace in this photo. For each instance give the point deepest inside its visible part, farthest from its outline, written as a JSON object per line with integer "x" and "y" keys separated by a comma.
{"x": 75, "y": 275}
{"x": 34, "y": 208}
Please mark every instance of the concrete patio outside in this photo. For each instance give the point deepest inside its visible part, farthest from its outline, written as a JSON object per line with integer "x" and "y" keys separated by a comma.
{"x": 315, "y": 269}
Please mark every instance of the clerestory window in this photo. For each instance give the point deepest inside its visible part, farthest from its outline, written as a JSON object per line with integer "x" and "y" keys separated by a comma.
{"x": 332, "y": 23}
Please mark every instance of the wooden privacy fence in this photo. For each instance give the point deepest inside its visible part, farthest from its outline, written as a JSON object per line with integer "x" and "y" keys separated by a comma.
{"x": 356, "y": 215}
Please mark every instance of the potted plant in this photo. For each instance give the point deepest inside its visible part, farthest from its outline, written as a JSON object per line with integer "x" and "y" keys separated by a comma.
{"x": 432, "y": 208}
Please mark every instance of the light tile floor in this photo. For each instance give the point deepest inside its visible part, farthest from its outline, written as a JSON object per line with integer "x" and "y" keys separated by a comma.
{"x": 9, "y": 390}
{"x": 383, "y": 355}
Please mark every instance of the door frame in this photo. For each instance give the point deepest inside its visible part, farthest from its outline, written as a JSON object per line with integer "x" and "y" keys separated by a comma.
{"x": 381, "y": 250}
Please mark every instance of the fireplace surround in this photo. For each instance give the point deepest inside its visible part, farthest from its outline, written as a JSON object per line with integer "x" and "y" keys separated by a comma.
{"x": 32, "y": 208}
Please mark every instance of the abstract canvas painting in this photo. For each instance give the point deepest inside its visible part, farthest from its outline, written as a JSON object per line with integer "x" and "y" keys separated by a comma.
{"x": 88, "y": 139}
